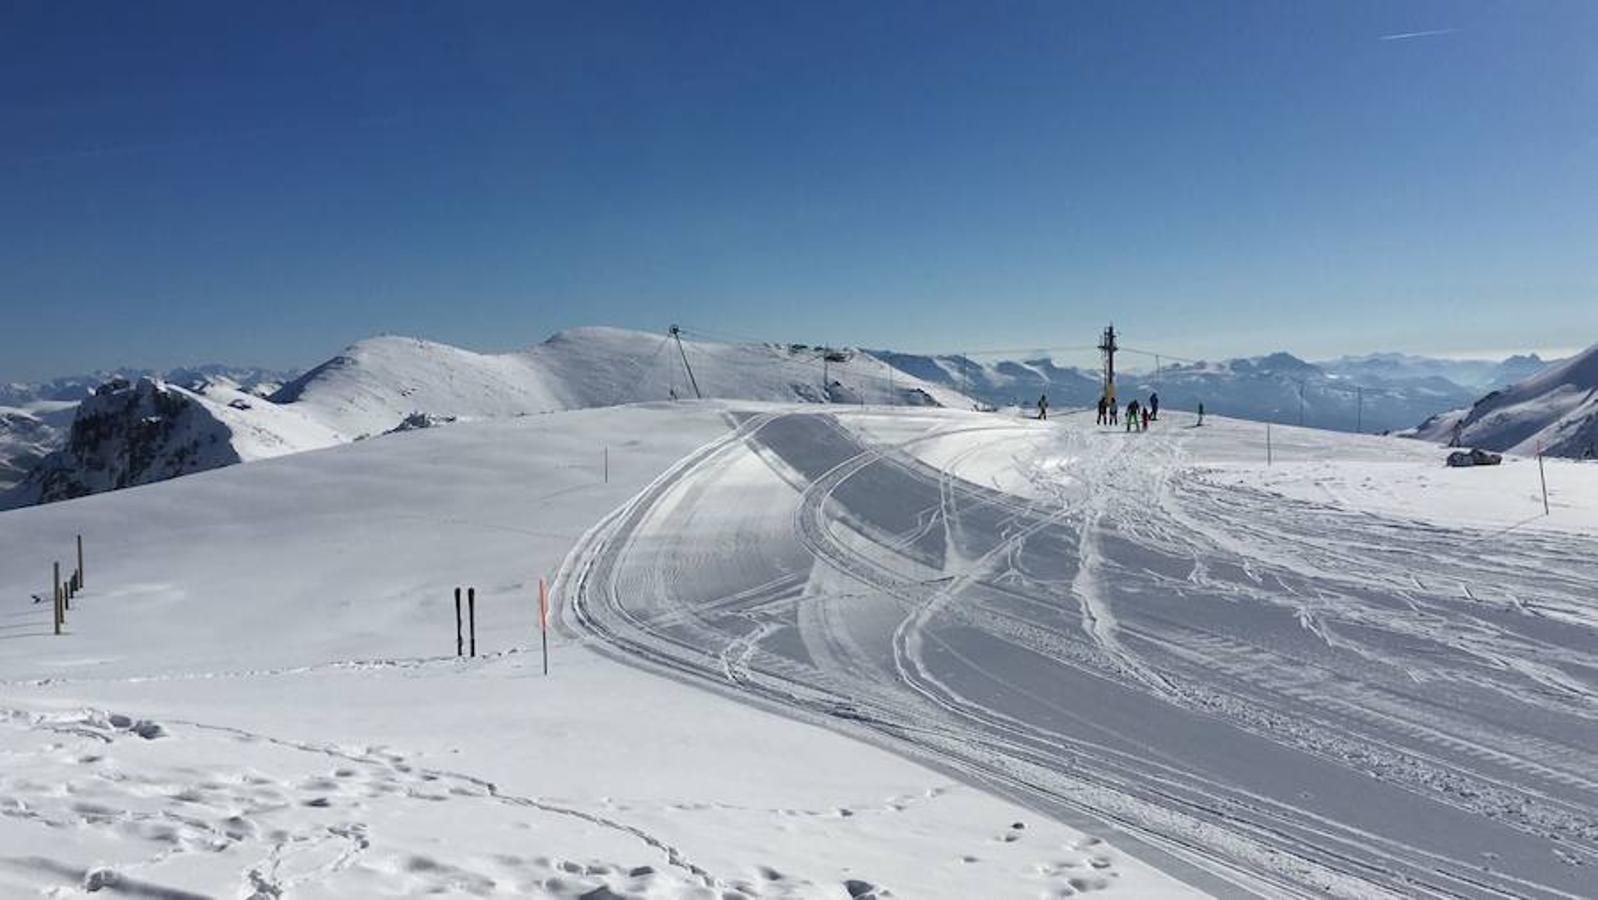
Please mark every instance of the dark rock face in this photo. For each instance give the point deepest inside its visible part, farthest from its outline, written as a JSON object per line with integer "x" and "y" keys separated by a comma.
{"x": 125, "y": 434}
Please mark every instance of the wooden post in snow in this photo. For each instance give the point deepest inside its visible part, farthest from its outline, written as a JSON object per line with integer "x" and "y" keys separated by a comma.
{"x": 80, "y": 561}
{"x": 1267, "y": 443}
{"x": 471, "y": 617}
{"x": 59, "y": 615}
{"x": 459, "y": 646}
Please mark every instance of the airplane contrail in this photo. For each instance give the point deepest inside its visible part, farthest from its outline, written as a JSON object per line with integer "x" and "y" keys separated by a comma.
{"x": 1406, "y": 35}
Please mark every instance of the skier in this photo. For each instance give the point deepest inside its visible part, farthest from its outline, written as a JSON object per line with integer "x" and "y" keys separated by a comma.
{"x": 1043, "y": 406}
{"x": 1154, "y": 407}
{"x": 1146, "y": 418}
{"x": 1102, "y": 413}
{"x": 1131, "y": 415}
{"x": 1112, "y": 410}
{"x": 1201, "y": 414}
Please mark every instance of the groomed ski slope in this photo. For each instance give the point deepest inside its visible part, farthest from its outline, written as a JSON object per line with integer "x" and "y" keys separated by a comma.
{"x": 1350, "y": 673}
{"x": 257, "y": 696}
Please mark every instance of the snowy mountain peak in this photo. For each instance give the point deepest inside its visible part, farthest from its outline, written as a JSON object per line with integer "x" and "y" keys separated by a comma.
{"x": 1278, "y": 363}
{"x": 128, "y": 433}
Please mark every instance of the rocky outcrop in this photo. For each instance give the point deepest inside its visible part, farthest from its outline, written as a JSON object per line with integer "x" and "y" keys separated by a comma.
{"x": 128, "y": 433}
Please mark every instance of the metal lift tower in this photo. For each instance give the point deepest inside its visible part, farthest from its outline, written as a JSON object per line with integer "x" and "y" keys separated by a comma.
{"x": 1107, "y": 346}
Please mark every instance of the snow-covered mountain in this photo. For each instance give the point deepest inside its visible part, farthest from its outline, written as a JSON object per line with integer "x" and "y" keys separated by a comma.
{"x": 374, "y": 384}
{"x": 1372, "y": 397}
{"x": 132, "y": 432}
{"x": 142, "y": 429}
{"x": 28, "y": 433}
{"x": 135, "y": 432}
{"x": 36, "y": 417}
{"x": 1556, "y": 409}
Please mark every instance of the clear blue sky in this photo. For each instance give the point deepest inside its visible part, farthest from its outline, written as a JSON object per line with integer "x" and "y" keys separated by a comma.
{"x": 268, "y": 182}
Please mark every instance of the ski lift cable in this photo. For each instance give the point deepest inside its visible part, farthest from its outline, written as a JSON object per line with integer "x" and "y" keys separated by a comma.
{"x": 1042, "y": 351}
{"x": 812, "y": 358}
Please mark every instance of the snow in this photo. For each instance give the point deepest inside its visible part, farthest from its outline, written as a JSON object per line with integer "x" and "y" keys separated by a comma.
{"x": 35, "y": 418}
{"x": 28, "y": 433}
{"x": 376, "y": 385}
{"x": 1375, "y": 393}
{"x": 130, "y": 434}
{"x": 282, "y": 634}
{"x": 1554, "y": 411}
{"x": 1259, "y": 691}
{"x": 812, "y": 651}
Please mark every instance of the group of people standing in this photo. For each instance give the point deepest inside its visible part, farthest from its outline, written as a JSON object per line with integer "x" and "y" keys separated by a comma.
{"x": 1138, "y": 415}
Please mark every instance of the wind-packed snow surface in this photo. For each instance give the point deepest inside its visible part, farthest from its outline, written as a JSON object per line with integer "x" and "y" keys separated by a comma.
{"x": 258, "y": 696}
{"x": 1351, "y": 672}
{"x": 1555, "y": 412}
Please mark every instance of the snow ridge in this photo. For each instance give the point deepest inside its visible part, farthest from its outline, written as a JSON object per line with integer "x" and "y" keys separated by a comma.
{"x": 377, "y": 385}
{"x": 1555, "y": 411}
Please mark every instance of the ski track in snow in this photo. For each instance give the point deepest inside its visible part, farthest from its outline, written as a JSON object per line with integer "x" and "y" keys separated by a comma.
{"x": 1261, "y": 696}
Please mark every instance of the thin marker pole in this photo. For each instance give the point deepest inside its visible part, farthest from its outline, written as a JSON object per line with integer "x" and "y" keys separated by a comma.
{"x": 1543, "y": 476}
{"x": 543, "y": 621}
{"x": 459, "y": 646}
{"x": 471, "y": 617}
{"x": 56, "y": 606}
{"x": 80, "y": 560}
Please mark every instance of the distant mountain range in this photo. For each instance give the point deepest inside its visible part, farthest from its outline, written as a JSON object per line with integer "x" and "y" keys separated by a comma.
{"x": 1481, "y": 374}
{"x": 1375, "y": 393}
{"x": 75, "y": 436}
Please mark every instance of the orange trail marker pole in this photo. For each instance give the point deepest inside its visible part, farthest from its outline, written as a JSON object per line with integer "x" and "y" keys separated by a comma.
{"x": 543, "y": 621}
